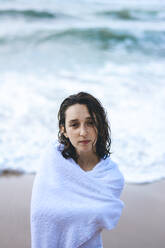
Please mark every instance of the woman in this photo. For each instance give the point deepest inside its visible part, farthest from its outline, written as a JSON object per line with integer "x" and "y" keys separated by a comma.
{"x": 76, "y": 191}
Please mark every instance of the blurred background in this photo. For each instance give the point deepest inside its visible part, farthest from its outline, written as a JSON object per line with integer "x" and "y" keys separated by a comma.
{"x": 114, "y": 50}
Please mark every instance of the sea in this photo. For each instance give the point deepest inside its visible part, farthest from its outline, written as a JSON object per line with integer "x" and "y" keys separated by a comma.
{"x": 114, "y": 50}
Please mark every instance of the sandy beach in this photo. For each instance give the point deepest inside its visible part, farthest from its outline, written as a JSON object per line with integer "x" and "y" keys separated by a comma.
{"x": 141, "y": 224}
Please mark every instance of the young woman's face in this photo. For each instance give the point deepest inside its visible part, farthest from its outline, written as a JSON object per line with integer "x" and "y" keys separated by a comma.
{"x": 80, "y": 129}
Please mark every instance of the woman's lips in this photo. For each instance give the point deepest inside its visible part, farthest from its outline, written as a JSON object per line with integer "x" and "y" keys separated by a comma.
{"x": 84, "y": 142}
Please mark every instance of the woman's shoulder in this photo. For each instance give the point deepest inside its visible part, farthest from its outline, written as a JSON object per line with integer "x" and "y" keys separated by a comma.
{"x": 48, "y": 152}
{"x": 116, "y": 174}
{"x": 52, "y": 147}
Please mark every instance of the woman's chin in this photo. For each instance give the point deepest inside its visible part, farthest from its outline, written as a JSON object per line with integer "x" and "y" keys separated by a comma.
{"x": 85, "y": 149}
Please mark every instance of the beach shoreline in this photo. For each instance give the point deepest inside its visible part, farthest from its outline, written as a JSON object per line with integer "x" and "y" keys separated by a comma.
{"x": 141, "y": 224}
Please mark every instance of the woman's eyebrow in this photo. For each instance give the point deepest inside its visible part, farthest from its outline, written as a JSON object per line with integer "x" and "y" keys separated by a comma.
{"x": 74, "y": 120}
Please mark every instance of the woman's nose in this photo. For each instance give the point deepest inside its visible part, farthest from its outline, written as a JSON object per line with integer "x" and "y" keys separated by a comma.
{"x": 83, "y": 130}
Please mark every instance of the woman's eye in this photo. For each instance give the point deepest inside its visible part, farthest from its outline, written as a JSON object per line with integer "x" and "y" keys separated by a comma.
{"x": 74, "y": 125}
{"x": 90, "y": 123}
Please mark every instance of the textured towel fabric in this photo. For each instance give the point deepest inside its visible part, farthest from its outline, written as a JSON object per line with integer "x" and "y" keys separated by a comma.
{"x": 94, "y": 242}
{"x": 69, "y": 206}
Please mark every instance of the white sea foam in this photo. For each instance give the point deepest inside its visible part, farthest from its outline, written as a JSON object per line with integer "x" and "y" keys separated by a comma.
{"x": 29, "y": 118}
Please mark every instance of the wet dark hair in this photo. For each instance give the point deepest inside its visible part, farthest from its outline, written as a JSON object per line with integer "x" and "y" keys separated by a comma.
{"x": 99, "y": 119}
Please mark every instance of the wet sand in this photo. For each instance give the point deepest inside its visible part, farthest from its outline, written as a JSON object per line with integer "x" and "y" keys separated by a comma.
{"x": 141, "y": 224}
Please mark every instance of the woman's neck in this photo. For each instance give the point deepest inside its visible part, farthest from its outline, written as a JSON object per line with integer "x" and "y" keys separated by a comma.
{"x": 87, "y": 161}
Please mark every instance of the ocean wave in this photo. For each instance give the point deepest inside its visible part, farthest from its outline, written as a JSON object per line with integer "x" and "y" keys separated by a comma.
{"x": 93, "y": 34}
{"x": 102, "y": 38}
{"x": 30, "y": 14}
{"x": 128, "y": 14}
{"x": 120, "y": 14}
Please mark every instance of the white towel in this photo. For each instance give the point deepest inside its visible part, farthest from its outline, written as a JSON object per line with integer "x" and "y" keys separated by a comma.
{"x": 69, "y": 205}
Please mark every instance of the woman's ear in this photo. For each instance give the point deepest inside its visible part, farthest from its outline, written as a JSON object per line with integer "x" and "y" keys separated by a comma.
{"x": 62, "y": 131}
